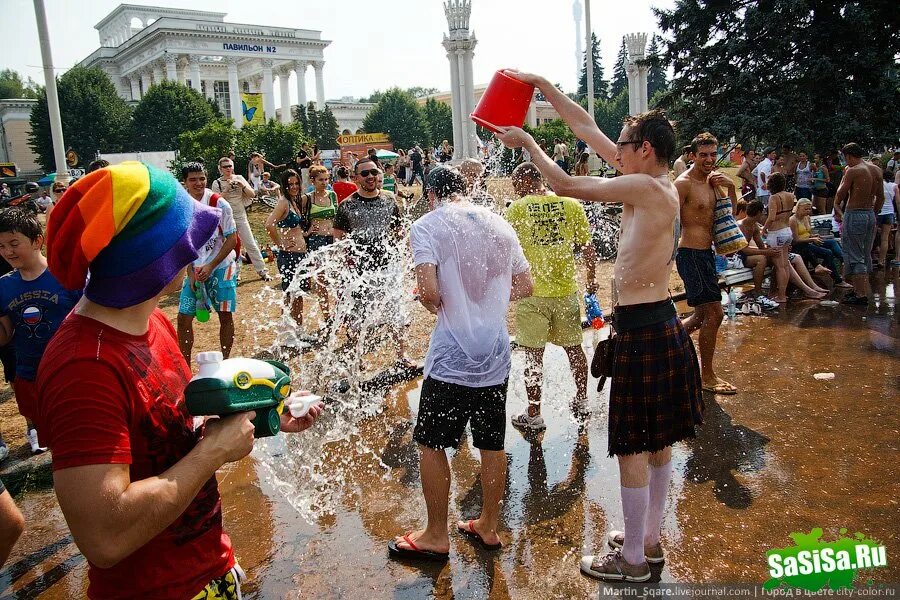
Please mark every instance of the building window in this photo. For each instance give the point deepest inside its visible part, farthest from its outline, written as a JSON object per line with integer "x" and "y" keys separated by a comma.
{"x": 220, "y": 91}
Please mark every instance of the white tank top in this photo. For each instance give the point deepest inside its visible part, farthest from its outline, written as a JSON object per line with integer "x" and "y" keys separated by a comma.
{"x": 804, "y": 176}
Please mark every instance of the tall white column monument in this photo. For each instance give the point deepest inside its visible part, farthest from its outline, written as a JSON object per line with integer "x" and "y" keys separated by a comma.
{"x": 460, "y": 46}
{"x": 636, "y": 70}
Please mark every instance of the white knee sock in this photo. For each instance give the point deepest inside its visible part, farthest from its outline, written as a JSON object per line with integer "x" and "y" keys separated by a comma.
{"x": 634, "y": 507}
{"x": 659, "y": 487}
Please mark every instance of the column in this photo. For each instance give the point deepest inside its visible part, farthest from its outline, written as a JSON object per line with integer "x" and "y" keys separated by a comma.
{"x": 135, "y": 87}
{"x": 171, "y": 67}
{"x": 268, "y": 89}
{"x": 462, "y": 151}
{"x": 234, "y": 92}
{"x": 283, "y": 76}
{"x": 157, "y": 73}
{"x": 145, "y": 81}
{"x": 319, "y": 66}
{"x": 632, "y": 74}
{"x": 642, "y": 89}
{"x": 454, "y": 95}
{"x": 194, "y": 72}
{"x": 300, "y": 70}
{"x": 470, "y": 101}
{"x": 182, "y": 76}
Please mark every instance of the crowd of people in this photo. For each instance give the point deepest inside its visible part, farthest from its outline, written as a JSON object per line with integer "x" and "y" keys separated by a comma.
{"x": 99, "y": 371}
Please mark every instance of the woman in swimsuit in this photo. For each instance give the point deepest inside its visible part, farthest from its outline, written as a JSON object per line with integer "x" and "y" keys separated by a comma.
{"x": 323, "y": 208}
{"x": 777, "y": 229}
{"x": 820, "y": 185}
{"x": 286, "y": 225}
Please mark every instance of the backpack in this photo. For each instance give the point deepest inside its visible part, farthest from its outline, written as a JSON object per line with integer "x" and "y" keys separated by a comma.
{"x": 213, "y": 202}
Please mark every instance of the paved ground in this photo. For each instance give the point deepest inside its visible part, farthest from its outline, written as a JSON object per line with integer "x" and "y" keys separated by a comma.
{"x": 788, "y": 453}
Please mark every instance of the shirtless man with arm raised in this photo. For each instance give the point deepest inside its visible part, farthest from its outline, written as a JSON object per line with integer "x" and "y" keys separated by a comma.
{"x": 655, "y": 399}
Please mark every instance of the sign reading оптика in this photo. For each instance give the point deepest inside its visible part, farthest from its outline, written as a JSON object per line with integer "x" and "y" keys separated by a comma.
{"x": 813, "y": 564}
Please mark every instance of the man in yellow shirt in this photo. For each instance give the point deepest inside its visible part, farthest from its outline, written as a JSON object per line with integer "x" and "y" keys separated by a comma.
{"x": 548, "y": 228}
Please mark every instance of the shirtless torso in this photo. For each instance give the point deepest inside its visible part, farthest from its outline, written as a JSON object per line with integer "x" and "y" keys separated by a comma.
{"x": 698, "y": 205}
{"x": 744, "y": 172}
{"x": 647, "y": 245}
{"x": 858, "y": 187}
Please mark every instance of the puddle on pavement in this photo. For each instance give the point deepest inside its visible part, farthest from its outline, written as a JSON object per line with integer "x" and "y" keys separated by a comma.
{"x": 788, "y": 453}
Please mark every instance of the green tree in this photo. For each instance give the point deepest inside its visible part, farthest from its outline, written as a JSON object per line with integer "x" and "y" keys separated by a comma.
{"x": 610, "y": 113}
{"x": 736, "y": 73}
{"x": 208, "y": 143}
{"x": 374, "y": 98}
{"x": 13, "y": 86}
{"x": 300, "y": 117}
{"x": 421, "y": 92}
{"x": 94, "y": 117}
{"x": 600, "y": 85}
{"x": 328, "y": 130}
{"x": 438, "y": 122}
{"x": 312, "y": 122}
{"x": 656, "y": 73}
{"x": 619, "y": 77}
{"x": 167, "y": 110}
{"x": 398, "y": 115}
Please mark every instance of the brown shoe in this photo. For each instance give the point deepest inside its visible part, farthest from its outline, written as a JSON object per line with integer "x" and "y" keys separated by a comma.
{"x": 614, "y": 567}
{"x": 653, "y": 554}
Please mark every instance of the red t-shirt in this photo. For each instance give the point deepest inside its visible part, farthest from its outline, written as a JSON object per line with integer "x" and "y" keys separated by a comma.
{"x": 108, "y": 397}
{"x": 343, "y": 189}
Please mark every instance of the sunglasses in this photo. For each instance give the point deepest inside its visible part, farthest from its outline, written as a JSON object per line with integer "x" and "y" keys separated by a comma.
{"x": 368, "y": 172}
{"x": 227, "y": 166}
{"x": 619, "y": 145}
{"x": 59, "y": 190}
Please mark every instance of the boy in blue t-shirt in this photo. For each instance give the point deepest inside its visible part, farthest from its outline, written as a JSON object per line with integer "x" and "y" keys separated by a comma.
{"x": 32, "y": 305}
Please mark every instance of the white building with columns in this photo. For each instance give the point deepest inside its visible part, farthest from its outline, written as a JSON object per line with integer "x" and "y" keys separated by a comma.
{"x": 143, "y": 45}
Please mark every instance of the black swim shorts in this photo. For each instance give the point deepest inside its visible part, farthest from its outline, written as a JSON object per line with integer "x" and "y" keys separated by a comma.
{"x": 697, "y": 269}
{"x": 445, "y": 408}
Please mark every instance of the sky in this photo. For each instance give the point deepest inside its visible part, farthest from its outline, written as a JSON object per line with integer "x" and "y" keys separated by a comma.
{"x": 374, "y": 45}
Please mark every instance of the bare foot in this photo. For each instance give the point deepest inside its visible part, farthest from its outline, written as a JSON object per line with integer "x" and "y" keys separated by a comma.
{"x": 843, "y": 284}
{"x": 816, "y": 295}
{"x": 780, "y": 300}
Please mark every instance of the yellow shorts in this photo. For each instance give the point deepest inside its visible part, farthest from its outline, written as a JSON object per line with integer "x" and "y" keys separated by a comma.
{"x": 554, "y": 320}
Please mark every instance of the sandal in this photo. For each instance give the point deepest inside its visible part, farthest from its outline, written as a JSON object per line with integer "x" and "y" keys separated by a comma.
{"x": 722, "y": 387}
{"x": 414, "y": 552}
{"x": 468, "y": 530}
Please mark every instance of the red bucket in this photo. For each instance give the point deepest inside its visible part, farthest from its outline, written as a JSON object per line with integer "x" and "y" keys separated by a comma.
{"x": 504, "y": 104}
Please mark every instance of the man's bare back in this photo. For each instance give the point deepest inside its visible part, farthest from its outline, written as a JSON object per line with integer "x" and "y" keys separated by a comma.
{"x": 698, "y": 206}
{"x": 647, "y": 245}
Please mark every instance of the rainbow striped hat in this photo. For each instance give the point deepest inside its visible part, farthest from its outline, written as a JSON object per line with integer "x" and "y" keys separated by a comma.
{"x": 132, "y": 226}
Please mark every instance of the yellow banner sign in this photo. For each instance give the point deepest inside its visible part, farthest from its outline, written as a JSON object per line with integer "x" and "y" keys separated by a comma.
{"x": 252, "y": 107}
{"x": 363, "y": 138}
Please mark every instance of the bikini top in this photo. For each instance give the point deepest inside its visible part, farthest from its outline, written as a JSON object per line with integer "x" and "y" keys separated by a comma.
{"x": 292, "y": 219}
{"x": 324, "y": 212}
{"x": 803, "y": 230}
{"x": 782, "y": 211}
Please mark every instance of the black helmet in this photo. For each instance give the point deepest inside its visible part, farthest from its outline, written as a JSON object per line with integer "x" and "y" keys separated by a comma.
{"x": 31, "y": 187}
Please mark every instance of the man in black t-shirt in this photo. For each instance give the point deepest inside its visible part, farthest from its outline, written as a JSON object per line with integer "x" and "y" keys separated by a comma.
{"x": 371, "y": 218}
